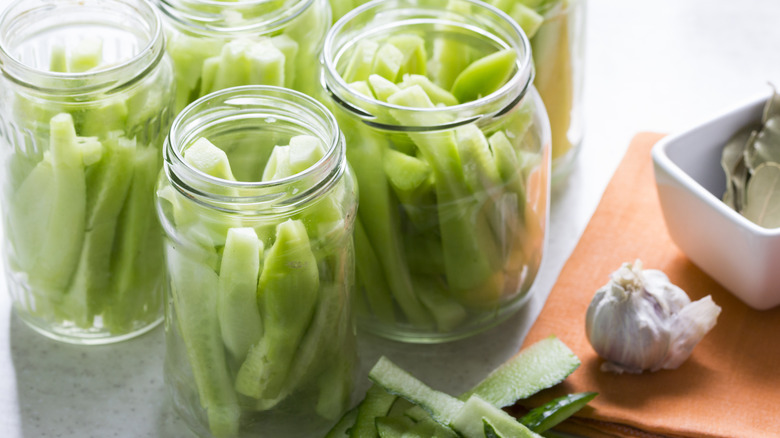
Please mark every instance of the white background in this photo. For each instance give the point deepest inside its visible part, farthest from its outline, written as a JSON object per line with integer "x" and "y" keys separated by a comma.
{"x": 657, "y": 65}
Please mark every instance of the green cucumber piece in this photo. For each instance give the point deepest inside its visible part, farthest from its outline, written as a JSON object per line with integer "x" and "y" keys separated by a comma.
{"x": 468, "y": 422}
{"x": 58, "y": 61}
{"x": 267, "y": 64}
{"x": 442, "y": 407}
{"x": 539, "y": 366}
{"x": 427, "y": 427}
{"x": 552, "y": 413}
{"x": 362, "y": 88}
{"x": 194, "y": 287}
{"x": 446, "y": 311}
{"x": 54, "y": 193}
{"x": 341, "y": 428}
{"x": 379, "y": 219}
{"x": 108, "y": 183}
{"x": 278, "y": 165}
{"x": 437, "y": 94}
{"x": 484, "y": 76}
{"x": 335, "y": 387}
{"x": 287, "y": 295}
{"x": 305, "y": 151}
{"x": 387, "y": 62}
{"x": 137, "y": 257}
{"x": 189, "y": 54}
{"x": 369, "y": 270}
{"x": 209, "y": 159}
{"x": 392, "y": 427}
{"x": 490, "y": 430}
{"x": 382, "y": 87}
{"x": 99, "y": 120}
{"x": 86, "y": 55}
{"x": 479, "y": 167}
{"x": 527, "y": 18}
{"x": 448, "y": 58}
{"x": 470, "y": 253}
{"x": 415, "y": 58}
{"x": 506, "y": 162}
{"x": 376, "y": 404}
{"x": 404, "y": 172}
{"x": 289, "y": 48}
{"x": 361, "y": 62}
{"x": 239, "y": 316}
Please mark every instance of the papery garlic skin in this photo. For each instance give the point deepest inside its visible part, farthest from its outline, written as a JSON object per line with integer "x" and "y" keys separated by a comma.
{"x": 641, "y": 321}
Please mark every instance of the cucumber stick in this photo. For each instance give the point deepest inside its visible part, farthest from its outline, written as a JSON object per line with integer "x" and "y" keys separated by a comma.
{"x": 239, "y": 316}
{"x": 193, "y": 285}
{"x": 107, "y": 185}
{"x": 287, "y": 295}
{"x": 53, "y": 193}
{"x": 138, "y": 252}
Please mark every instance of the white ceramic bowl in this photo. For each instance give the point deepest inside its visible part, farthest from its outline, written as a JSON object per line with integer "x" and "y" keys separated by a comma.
{"x": 740, "y": 255}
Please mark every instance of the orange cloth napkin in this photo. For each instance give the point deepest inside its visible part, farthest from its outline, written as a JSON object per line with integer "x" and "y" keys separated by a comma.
{"x": 729, "y": 387}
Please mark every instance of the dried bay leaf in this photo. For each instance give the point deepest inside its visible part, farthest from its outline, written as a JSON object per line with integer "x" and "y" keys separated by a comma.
{"x": 762, "y": 204}
{"x": 772, "y": 107}
{"x": 732, "y": 157}
{"x": 750, "y": 148}
{"x": 764, "y": 147}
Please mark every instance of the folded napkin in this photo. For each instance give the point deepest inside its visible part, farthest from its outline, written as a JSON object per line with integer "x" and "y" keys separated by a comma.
{"x": 729, "y": 387}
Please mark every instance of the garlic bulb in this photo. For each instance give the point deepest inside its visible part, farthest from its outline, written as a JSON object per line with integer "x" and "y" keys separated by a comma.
{"x": 640, "y": 321}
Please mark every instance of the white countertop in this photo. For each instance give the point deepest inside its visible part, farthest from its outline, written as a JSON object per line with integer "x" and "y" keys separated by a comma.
{"x": 651, "y": 65}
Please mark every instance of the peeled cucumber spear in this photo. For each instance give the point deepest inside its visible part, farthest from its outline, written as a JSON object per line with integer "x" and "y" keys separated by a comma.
{"x": 287, "y": 296}
{"x": 54, "y": 193}
{"x": 107, "y": 186}
{"x": 469, "y": 249}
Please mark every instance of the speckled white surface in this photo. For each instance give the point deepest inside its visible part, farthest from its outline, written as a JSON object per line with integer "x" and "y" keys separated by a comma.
{"x": 658, "y": 65}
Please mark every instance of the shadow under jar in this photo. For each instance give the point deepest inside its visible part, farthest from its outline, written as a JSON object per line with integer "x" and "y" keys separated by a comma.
{"x": 220, "y": 44}
{"x": 450, "y": 144}
{"x": 86, "y": 103}
{"x": 258, "y": 206}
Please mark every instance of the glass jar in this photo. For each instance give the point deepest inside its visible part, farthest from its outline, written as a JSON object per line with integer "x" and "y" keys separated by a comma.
{"x": 558, "y": 50}
{"x": 220, "y": 44}
{"x": 258, "y": 205}
{"x": 86, "y": 101}
{"x": 453, "y": 196}
{"x": 556, "y": 29}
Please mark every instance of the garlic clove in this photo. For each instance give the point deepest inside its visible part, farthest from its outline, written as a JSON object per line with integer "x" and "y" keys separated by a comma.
{"x": 690, "y": 326}
{"x": 641, "y": 321}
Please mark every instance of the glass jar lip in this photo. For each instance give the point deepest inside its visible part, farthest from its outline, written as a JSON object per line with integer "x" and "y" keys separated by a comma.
{"x": 204, "y": 23}
{"x": 333, "y": 154}
{"x": 521, "y": 80}
{"x": 71, "y": 83}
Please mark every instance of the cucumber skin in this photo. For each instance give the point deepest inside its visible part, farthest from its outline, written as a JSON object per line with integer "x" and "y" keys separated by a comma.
{"x": 540, "y": 366}
{"x": 551, "y": 414}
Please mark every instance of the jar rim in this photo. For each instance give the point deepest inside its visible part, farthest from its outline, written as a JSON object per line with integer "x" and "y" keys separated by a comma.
{"x": 202, "y": 187}
{"x": 207, "y": 24}
{"x": 335, "y": 85}
{"x": 67, "y": 83}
